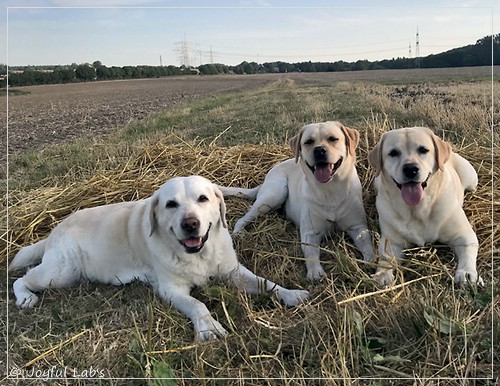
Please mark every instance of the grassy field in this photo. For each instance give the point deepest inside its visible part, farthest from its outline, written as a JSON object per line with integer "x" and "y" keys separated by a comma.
{"x": 422, "y": 332}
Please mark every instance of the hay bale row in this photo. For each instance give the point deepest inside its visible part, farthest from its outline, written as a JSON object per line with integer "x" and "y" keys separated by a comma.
{"x": 33, "y": 214}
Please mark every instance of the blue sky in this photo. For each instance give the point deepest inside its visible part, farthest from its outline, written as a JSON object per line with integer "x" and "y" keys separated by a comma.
{"x": 136, "y": 32}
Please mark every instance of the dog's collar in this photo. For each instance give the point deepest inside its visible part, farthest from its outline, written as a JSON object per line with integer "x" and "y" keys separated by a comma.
{"x": 201, "y": 242}
{"x": 336, "y": 166}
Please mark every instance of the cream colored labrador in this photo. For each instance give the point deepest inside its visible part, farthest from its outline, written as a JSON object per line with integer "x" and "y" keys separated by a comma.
{"x": 420, "y": 184}
{"x": 174, "y": 240}
{"x": 317, "y": 189}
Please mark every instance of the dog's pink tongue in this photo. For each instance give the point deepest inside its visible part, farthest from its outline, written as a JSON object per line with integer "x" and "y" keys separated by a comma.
{"x": 412, "y": 193}
{"x": 323, "y": 172}
{"x": 193, "y": 242}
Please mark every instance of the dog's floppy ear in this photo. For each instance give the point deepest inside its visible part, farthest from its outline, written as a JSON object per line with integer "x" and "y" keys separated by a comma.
{"x": 442, "y": 150}
{"x": 351, "y": 139}
{"x": 375, "y": 156}
{"x": 295, "y": 145}
{"x": 152, "y": 217}
{"x": 222, "y": 205}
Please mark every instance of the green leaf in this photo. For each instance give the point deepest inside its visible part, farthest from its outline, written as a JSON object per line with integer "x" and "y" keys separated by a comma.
{"x": 441, "y": 323}
{"x": 358, "y": 323}
{"x": 163, "y": 374}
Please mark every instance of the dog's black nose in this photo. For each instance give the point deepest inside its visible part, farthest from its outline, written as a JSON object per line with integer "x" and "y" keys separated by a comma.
{"x": 410, "y": 170}
{"x": 320, "y": 153}
{"x": 190, "y": 224}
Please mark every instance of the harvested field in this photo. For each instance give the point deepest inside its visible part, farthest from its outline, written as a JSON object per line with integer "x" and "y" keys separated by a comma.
{"x": 421, "y": 332}
{"x": 56, "y": 113}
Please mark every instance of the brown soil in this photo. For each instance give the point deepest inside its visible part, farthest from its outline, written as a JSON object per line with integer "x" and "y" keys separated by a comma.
{"x": 56, "y": 113}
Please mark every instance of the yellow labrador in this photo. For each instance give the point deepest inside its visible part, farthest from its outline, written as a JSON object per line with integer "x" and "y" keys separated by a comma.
{"x": 420, "y": 184}
{"x": 174, "y": 240}
{"x": 318, "y": 188}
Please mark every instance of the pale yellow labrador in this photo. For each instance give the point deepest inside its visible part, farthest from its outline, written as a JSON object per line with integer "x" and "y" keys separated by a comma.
{"x": 174, "y": 240}
{"x": 420, "y": 184}
{"x": 320, "y": 187}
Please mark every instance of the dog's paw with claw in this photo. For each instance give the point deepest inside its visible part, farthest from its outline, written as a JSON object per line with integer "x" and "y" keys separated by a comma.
{"x": 207, "y": 328}
{"x": 384, "y": 277}
{"x": 24, "y": 297}
{"x": 291, "y": 298}
{"x": 315, "y": 271}
{"x": 463, "y": 277}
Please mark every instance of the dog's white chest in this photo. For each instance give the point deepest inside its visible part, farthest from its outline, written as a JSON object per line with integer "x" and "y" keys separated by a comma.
{"x": 415, "y": 233}
{"x": 408, "y": 225}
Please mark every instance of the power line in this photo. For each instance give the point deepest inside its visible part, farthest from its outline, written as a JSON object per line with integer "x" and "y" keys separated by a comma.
{"x": 308, "y": 55}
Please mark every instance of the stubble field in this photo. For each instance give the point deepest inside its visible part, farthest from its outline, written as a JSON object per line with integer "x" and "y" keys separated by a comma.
{"x": 74, "y": 146}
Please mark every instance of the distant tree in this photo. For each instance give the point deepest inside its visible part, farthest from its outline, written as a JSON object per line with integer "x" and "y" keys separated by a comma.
{"x": 102, "y": 72}
{"x": 238, "y": 69}
{"x": 115, "y": 72}
{"x": 307, "y": 67}
{"x": 361, "y": 65}
{"x": 85, "y": 73}
{"x": 62, "y": 75}
{"x": 251, "y": 68}
{"x": 129, "y": 72}
{"x": 221, "y": 68}
{"x": 207, "y": 69}
{"x": 172, "y": 70}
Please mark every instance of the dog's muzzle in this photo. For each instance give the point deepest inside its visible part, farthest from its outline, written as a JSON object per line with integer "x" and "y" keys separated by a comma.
{"x": 195, "y": 244}
{"x": 412, "y": 192}
{"x": 324, "y": 171}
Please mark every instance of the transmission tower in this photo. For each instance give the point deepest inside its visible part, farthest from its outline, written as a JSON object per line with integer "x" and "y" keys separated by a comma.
{"x": 182, "y": 50}
{"x": 417, "y": 51}
{"x": 409, "y": 50}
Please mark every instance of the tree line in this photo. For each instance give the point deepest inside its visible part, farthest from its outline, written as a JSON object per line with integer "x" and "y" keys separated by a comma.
{"x": 86, "y": 72}
{"x": 479, "y": 54}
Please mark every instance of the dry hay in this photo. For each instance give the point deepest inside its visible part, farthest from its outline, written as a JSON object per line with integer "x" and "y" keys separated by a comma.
{"x": 33, "y": 214}
{"x": 268, "y": 340}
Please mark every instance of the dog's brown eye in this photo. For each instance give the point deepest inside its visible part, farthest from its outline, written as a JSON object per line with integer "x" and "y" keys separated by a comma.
{"x": 332, "y": 139}
{"x": 423, "y": 150}
{"x": 202, "y": 198}
{"x": 394, "y": 153}
{"x": 310, "y": 141}
{"x": 171, "y": 204}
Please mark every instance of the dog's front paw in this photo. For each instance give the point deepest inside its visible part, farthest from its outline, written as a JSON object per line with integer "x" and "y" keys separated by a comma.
{"x": 207, "y": 328}
{"x": 463, "y": 277}
{"x": 27, "y": 302}
{"x": 384, "y": 277}
{"x": 24, "y": 297}
{"x": 315, "y": 271}
{"x": 291, "y": 298}
{"x": 239, "y": 233}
